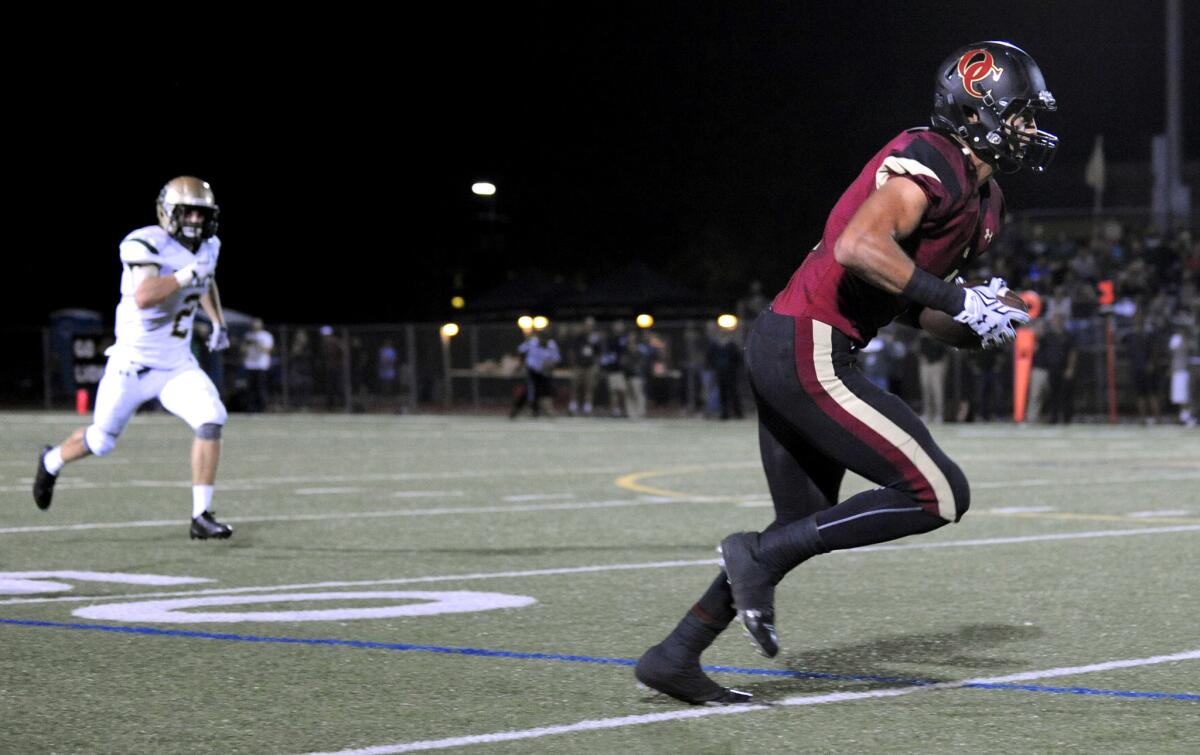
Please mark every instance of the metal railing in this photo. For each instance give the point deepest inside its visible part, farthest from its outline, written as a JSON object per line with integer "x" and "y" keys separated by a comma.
{"x": 412, "y": 367}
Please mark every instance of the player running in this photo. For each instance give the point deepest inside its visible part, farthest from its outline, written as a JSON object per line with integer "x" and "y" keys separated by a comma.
{"x": 921, "y": 210}
{"x": 167, "y": 274}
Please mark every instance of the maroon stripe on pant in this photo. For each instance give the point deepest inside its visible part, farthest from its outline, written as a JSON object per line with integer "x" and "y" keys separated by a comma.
{"x": 917, "y": 484}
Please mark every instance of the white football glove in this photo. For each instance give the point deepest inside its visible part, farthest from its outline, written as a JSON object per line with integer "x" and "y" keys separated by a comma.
{"x": 219, "y": 340}
{"x": 987, "y": 315}
{"x": 197, "y": 273}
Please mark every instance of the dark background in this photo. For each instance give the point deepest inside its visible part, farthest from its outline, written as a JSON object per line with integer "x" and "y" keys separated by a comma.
{"x": 707, "y": 139}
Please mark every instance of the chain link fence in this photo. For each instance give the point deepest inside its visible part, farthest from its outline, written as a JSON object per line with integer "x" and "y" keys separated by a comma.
{"x": 413, "y": 367}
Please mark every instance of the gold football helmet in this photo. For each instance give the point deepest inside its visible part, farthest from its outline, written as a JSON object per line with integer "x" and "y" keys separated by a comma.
{"x": 180, "y": 195}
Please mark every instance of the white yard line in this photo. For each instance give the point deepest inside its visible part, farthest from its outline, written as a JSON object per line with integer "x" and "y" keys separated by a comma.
{"x": 1153, "y": 514}
{"x": 688, "y": 713}
{"x": 609, "y": 567}
{"x": 349, "y": 515}
{"x": 375, "y": 582}
{"x": 257, "y": 483}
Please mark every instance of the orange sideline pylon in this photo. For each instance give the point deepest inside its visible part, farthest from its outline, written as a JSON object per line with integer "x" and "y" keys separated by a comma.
{"x": 1023, "y": 349}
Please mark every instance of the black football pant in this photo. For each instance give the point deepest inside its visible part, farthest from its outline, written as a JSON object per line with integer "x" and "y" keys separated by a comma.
{"x": 818, "y": 416}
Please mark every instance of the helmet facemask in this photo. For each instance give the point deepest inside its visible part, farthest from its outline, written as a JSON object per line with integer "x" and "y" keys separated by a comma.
{"x": 1026, "y": 147}
{"x": 185, "y": 229}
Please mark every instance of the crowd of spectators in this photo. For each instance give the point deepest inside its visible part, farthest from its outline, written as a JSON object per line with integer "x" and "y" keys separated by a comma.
{"x": 614, "y": 368}
{"x": 1152, "y": 280}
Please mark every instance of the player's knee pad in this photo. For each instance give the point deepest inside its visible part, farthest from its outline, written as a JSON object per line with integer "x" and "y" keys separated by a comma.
{"x": 99, "y": 442}
{"x": 209, "y": 431}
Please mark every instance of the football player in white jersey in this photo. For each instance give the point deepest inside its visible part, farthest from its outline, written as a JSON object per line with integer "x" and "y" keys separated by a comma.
{"x": 167, "y": 274}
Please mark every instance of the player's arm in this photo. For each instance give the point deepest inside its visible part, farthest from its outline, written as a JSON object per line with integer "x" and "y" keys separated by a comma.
{"x": 869, "y": 247}
{"x": 211, "y": 302}
{"x": 150, "y": 288}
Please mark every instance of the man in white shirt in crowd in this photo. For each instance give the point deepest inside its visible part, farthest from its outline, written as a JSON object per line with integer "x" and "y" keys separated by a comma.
{"x": 257, "y": 346}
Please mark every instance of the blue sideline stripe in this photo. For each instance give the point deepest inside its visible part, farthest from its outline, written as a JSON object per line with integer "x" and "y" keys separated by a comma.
{"x": 1087, "y": 691}
{"x": 154, "y": 631}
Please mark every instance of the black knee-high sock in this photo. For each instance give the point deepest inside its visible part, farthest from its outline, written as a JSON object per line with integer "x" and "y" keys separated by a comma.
{"x": 691, "y": 637}
{"x": 782, "y": 549}
{"x": 715, "y": 606}
{"x": 704, "y": 621}
{"x": 874, "y": 516}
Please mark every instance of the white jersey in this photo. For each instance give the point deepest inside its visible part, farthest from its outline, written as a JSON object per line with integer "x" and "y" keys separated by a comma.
{"x": 158, "y": 336}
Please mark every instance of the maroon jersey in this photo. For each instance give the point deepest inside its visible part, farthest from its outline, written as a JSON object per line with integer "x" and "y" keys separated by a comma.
{"x": 959, "y": 224}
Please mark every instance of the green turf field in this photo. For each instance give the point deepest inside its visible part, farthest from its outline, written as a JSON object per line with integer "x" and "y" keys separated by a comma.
{"x": 1062, "y": 614}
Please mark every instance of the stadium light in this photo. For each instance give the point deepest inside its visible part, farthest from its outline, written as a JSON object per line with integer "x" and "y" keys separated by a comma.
{"x": 483, "y": 188}
{"x": 727, "y": 322}
{"x": 525, "y": 323}
{"x": 458, "y": 302}
{"x": 644, "y": 321}
{"x": 540, "y": 323}
{"x": 449, "y": 330}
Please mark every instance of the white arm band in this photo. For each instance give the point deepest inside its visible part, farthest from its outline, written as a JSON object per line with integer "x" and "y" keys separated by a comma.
{"x": 186, "y": 275}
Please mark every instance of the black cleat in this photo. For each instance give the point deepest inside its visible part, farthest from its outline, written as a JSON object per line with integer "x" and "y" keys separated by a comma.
{"x": 683, "y": 679}
{"x": 43, "y": 482}
{"x": 204, "y": 527}
{"x": 753, "y": 588}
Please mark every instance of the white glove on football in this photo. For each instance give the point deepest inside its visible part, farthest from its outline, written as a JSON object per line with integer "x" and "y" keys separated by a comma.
{"x": 985, "y": 313}
{"x": 219, "y": 340}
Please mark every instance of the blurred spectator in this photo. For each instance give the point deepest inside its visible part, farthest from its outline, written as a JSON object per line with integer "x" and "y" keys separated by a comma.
{"x": 692, "y": 367}
{"x": 637, "y": 370}
{"x": 658, "y": 388}
{"x": 932, "y": 356}
{"x": 330, "y": 369}
{"x": 584, "y": 351}
{"x": 612, "y": 362}
{"x": 1142, "y": 353}
{"x": 1084, "y": 301}
{"x": 988, "y": 388}
{"x": 257, "y": 346}
{"x": 360, "y": 373}
{"x": 1053, "y": 378}
{"x": 386, "y": 373}
{"x": 1059, "y": 302}
{"x": 725, "y": 360}
{"x": 1180, "y": 348}
{"x": 541, "y": 355}
{"x": 300, "y": 369}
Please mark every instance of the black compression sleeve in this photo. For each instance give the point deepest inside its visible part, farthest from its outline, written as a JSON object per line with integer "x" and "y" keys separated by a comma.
{"x": 930, "y": 291}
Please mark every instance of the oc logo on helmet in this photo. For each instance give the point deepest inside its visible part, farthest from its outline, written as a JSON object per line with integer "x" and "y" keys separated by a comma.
{"x": 975, "y": 66}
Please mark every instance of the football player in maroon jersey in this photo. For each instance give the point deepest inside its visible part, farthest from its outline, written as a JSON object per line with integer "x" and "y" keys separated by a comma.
{"x": 921, "y": 210}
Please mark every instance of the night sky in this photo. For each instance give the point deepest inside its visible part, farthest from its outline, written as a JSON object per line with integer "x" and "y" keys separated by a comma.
{"x": 707, "y": 139}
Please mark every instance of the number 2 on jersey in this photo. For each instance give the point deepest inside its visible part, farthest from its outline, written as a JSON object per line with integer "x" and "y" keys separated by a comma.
{"x": 188, "y": 309}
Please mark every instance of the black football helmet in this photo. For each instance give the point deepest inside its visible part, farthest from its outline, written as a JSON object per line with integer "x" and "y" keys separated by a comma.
{"x": 996, "y": 82}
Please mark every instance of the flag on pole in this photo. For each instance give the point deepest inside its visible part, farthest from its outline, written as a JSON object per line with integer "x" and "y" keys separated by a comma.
{"x": 1094, "y": 175}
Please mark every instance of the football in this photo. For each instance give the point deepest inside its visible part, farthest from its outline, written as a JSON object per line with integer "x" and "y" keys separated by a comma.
{"x": 959, "y": 335}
